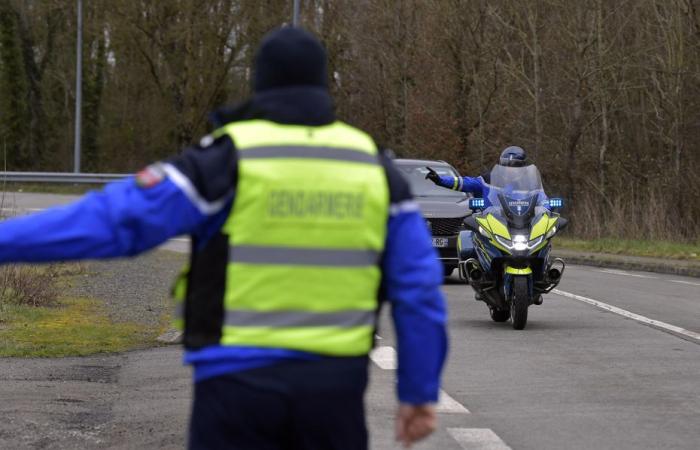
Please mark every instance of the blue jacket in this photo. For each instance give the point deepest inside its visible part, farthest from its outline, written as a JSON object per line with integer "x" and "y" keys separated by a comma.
{"x": 479, "y": 187}
{"x": 193, "y": 194}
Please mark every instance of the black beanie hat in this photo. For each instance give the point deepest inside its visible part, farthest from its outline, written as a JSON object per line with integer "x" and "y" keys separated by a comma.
{"x": 290, "y": 57}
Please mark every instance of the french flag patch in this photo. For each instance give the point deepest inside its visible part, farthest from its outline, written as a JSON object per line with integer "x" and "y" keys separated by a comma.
{"x": 150, "y": 176}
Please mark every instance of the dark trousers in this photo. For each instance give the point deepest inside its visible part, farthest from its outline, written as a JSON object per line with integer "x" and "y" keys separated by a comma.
{"x": 289, "y": 406}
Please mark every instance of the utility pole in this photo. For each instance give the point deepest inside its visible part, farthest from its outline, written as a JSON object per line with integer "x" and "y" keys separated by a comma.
{"x": 78, "y": 89}
{"x": 295, "y": 17}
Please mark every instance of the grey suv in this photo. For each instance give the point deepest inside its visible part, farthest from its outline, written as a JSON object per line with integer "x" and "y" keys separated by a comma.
{"x": 444, "y": 210}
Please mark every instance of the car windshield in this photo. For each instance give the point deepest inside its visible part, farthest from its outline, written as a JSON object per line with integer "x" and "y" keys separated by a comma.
{"x": 516, "y": 185}
{"x": 415, "y": 174}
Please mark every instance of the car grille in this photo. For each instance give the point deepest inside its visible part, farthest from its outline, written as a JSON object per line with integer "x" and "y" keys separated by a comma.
{"x": 445, "y": 227}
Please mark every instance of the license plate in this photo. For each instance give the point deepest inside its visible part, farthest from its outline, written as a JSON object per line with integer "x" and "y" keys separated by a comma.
{"x": 440, "y": 242}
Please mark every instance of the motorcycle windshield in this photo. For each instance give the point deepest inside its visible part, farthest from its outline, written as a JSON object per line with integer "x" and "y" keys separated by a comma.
{"x": 515, "y": 189}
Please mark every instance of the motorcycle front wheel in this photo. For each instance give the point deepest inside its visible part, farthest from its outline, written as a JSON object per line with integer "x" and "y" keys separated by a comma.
{"x": 520, "y": 302}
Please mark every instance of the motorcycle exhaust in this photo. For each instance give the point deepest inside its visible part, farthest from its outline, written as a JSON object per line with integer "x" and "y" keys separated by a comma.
{"x": 554, "y": 275}
{"x": 475, "y": 274}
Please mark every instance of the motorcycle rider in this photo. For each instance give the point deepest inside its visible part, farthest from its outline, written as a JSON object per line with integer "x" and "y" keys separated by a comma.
{"x": 479, "y": 186}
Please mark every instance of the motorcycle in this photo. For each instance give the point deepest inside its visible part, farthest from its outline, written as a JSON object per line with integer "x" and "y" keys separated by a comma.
{"x": 505, "y": 254}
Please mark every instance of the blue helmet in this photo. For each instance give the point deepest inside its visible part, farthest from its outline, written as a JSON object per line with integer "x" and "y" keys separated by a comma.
{"x": 513, "y": 157}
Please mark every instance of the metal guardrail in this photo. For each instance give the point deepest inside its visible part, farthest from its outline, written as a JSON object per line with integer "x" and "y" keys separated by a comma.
{"x": 61, "y": 177}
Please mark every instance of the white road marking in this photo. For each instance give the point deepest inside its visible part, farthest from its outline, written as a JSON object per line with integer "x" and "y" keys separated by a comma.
{"x": 385, "y": 358}
{"x": 477, "y": 439}
{"x": 627, "y": 274}
{"x": 630, "y": 315}
{"x": 685, "y": 282}
{"x": 447, "y": 404}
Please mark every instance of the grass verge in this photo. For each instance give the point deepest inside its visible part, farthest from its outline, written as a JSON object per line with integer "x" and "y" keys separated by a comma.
{"x": 77, "y": 327}
{"x": 658, "y": 249}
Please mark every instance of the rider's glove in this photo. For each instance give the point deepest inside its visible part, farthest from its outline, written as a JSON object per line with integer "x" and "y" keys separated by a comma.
{"x": 432, "y": 176}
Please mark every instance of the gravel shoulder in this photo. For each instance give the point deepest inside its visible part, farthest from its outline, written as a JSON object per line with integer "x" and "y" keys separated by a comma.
{"x": 137, "y": 399}
{"x": 135, "y": 290}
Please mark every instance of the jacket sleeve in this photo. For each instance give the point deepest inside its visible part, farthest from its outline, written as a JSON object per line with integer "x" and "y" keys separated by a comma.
{"x": 125, "y": 218}
{"x": 471, "y": 185}
{"x": 412, "y": 276}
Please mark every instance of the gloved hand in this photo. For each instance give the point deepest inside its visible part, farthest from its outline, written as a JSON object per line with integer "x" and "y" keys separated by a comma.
{"x": 432, "y": 176}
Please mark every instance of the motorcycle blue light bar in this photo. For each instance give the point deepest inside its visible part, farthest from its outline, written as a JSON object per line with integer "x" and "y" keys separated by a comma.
{"x": 477, "y": 203}
{"x": 556, "y": 202}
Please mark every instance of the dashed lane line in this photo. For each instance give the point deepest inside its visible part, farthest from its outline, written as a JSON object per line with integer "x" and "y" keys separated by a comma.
{"x": 637, "y": 275}
{"x": 385, "y": 358}
{"x": 685, "y": 282}
{"x": 673, "y": 329}
{"x": 627, "y": 274}
{"x": 447, "y": 404}
{"x": 477, "y": 439}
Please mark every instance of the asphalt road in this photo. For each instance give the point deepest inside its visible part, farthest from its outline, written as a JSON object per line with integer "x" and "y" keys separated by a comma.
{"x": 578, "y": 377}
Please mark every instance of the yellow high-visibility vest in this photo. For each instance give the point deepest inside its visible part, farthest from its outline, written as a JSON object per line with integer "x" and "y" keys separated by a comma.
{"x": 306, "y": 234}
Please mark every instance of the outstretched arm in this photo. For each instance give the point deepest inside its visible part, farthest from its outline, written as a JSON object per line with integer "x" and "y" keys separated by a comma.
{"x": 472, "y": 185}
{"x": 126, "y": 218}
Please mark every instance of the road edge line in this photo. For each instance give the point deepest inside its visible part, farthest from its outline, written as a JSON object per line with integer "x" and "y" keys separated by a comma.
{"x": 683, "y": 333}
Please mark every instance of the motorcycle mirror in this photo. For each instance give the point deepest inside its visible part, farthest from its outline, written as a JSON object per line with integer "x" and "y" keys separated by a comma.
{"x": 562, "y": 223}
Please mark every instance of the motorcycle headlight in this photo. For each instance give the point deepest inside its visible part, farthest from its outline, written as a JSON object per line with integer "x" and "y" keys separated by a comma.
{"x": 519, "y": 242}
{"x": 551, "y": 232}
{"x": 507, "y": 243}
{"x": 535, "y": 242}
{"x": 483, "y": 232}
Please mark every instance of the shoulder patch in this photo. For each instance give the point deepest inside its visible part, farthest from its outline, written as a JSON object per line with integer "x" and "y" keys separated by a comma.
{"x": 150, "y": 176}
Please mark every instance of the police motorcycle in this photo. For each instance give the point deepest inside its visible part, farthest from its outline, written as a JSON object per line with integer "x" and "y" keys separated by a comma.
{"x": 505, "y": 255}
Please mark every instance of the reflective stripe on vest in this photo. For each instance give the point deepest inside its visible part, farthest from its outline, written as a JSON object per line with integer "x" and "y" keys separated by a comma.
{"x": 306, "y": 235}
{"x": 303, "y": 256}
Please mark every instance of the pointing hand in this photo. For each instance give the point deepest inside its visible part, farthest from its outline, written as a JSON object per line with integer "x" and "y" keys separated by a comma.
{"x": 432, "y": 176}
